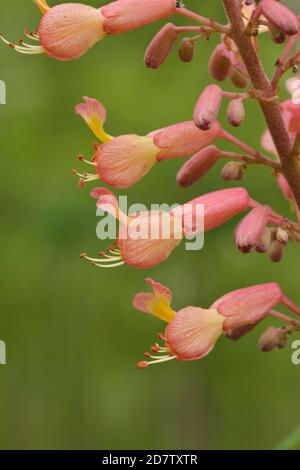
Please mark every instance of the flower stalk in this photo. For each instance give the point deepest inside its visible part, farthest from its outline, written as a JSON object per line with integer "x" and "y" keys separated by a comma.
{"x": 268, "y": 101}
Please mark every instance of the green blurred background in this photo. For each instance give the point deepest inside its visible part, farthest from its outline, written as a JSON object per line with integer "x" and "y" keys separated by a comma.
{"x": 72, "y": 336}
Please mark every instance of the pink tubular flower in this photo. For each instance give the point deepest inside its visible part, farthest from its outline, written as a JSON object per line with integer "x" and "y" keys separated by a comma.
{"x": 148, "y": 238}
{"x": 124, "y": 160}
{"x": 69, "y": 30}
{"x": 125, "y": 15}
{"x": 219, "y": 207}
{"x": 250, "y": 230}
{"x": 192, "y": 332}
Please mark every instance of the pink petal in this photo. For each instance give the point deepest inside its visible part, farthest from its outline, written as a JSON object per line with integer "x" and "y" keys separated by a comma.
{"x": 106, "y": 200}
{"x": 149, "y": 251}
{"x": 125, "y": 160}
{"x": 249, "y": 305}
{"x": 219, "y": 207}
{"x": 142, "y": 301}
{"x": 91, "y": 109}
{"x": 183, "y": 139}
{"x": 125, "y": 15}
{"x": 193, "y": 332}
{"x": 160, "y": 289}
{"x": 69, "y": 30}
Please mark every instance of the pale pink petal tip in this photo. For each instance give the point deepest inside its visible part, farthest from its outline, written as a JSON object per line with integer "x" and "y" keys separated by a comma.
{"x": 142, "y": 300}
{"x": 106, "y": 200}
{"x": 160, "y": 289}
{"x": 91, "y": 108}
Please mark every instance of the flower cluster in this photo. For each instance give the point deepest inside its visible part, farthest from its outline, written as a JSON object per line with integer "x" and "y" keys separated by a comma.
{"x": 69, "y": 30}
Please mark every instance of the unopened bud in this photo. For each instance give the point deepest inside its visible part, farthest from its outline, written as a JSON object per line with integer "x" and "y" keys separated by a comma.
{"x": 271, "y": 339}
{"x": 264, "y": 244}
{"x": 251, "y": 228}
{"x": 220, "y": 63}
{"x": 233, "y": 171}
{"x": 239, "y": 76}
{"x": 186, "y": 50}
{"x": 276, "y": 251}
{"x": 236, "y": 112}
{"x": 197, "y": 166}
{"x": 160, "y": 46}
{"x": 208, "y": 107}
{"x": 282, "y": 236}
{"x": 237, "y": 333}
{"x": 280, "y": 16}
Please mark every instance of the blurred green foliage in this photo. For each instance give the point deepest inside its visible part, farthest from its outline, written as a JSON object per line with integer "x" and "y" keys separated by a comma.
{"x": 72, "y": 335}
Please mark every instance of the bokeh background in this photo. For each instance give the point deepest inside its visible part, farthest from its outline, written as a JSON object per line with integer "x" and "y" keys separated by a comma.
{"x": 72, "y": 335}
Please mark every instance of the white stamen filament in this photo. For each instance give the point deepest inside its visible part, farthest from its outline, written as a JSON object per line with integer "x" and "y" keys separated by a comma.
{"x": 109, "y": 265}
{"x": 157, "y": 361}
{"x": 106, "y": 260}
{"x": 24, "y": 48}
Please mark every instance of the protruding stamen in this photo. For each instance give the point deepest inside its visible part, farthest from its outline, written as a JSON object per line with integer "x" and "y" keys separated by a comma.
{"x": 88, "y": 162}
{"x": 144, "y": 364}
{"x": 23, "y": 47}
{"x": 107, "y": 261}
{"x": 85, "y": 177}
{"x": 115, "y": 265}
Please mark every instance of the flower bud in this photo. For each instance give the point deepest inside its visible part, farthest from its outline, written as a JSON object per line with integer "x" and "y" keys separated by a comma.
{"x": 239, "y": 77}
{"x": 208, "y": 107}
{"x": 220, "y": 63}
{"x": 197, "y": 166}
{"x": 233, "y": 171}
{"x": 280, "y": 16}
{"x": 236, "y": 112}
{"x": 271, "y": 339}
{"x": 276, "y": 251}
{"x": 186, "y": 50}
{"x": 282, "y": 236}
{"x": 265, "y": 242}
{"x": 160, "y": 46}
{"x": 250, "y": 230}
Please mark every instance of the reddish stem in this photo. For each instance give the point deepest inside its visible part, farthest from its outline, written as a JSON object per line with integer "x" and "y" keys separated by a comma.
{"x": 269, "y": 105}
